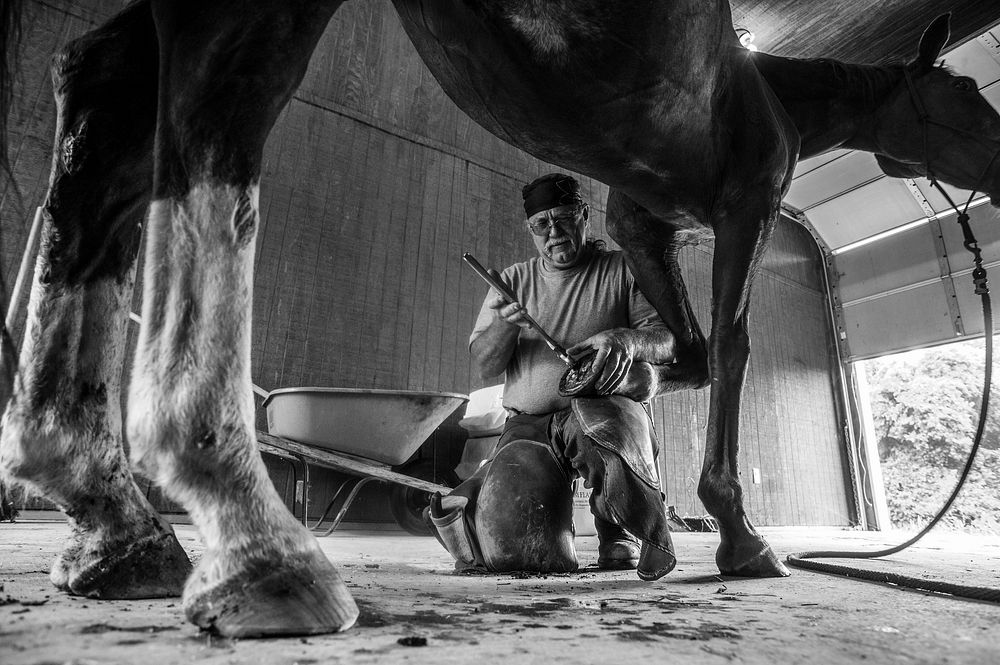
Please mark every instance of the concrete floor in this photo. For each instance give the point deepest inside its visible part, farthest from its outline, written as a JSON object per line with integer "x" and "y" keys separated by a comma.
{"x": 406, "y": 589}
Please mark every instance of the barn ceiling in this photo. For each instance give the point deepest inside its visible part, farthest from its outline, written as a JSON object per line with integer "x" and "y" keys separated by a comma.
{"x": 843, "y": 193}
{"x": 900, "y": 274}
{"x": 860, "y": 31}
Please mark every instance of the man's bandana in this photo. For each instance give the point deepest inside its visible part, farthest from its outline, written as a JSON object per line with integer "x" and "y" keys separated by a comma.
{"x": 549, "y": 191}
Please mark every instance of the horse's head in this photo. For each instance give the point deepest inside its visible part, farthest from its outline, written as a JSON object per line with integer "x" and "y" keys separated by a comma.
{"x": 936, "y": 124}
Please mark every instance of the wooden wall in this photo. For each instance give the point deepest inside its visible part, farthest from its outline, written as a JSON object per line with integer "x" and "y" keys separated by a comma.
{"x": 374, "y": 184}
{"x": 788, "y": 422}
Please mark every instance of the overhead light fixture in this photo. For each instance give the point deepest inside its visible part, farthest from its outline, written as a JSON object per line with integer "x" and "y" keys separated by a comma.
{"x": 746, "y": 39}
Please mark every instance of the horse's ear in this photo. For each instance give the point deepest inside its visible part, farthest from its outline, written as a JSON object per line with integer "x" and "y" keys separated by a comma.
{"x": 933, "y": 40}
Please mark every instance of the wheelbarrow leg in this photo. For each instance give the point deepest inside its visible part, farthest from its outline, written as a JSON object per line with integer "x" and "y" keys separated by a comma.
{"x": 295, "y": 480}
{"x": 305, "y": 491}
{"x": 329, "y": 506}
{"x": 347, "y": 503}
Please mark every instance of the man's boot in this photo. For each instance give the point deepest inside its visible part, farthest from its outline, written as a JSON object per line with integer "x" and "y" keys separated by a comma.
{"x": 617, "y": 548}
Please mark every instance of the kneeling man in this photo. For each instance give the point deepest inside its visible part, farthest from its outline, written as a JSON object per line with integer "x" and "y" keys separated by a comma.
{"x": 515, "y": 512}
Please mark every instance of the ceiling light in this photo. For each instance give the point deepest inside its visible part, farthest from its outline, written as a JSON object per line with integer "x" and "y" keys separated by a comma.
{"x": 746, "y": 39}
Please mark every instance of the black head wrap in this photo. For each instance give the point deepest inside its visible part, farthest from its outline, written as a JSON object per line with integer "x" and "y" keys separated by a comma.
{"x": 549, "y": 191}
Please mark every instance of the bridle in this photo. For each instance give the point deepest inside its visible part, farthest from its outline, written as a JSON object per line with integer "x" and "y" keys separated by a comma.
{"x": 926, "y": 121}
{"x": 970, "y": 243}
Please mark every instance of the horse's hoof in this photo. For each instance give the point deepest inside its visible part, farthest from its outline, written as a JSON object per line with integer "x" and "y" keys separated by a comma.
{"x": 299, "y": 595}
{"x": 151, "y": 567}
{"x": 764, "y": 563}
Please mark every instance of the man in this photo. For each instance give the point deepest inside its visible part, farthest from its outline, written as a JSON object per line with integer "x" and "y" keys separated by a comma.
{"x": 515, "y": 512}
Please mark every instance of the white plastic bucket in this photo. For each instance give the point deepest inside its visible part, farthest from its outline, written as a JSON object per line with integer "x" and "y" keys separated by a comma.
{"x": 583, "y": 520}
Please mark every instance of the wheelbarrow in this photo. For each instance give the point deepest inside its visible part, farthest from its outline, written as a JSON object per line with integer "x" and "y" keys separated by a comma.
{"x": 363, "y": 433}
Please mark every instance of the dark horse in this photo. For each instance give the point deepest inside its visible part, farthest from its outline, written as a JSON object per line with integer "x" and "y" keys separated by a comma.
{"x": 163, "y": 114}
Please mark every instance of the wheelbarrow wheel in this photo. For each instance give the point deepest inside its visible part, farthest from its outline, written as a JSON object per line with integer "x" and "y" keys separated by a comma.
{"x": 407, "y": 503}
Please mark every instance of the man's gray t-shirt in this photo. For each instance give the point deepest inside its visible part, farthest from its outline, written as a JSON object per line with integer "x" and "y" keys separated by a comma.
{"x": 570, "y": 305}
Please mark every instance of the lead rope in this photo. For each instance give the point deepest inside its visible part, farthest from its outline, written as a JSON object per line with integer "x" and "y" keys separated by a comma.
{"x": 802, "y": 559}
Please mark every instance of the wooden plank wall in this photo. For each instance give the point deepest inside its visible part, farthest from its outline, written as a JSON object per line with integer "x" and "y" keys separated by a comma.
{"x": 374, "y": 184}
{"x": 788, "y": 420}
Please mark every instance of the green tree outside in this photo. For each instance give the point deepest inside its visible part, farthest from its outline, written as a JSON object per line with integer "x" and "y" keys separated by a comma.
{"x": 925, "y": 406}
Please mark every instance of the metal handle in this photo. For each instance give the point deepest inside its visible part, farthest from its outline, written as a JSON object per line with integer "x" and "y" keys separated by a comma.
{"x": 511, "y": 297}
{"x": 500, "y": 287}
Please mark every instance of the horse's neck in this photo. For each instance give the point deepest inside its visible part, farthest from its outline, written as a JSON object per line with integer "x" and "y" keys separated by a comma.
{"x": 831, "y": 103}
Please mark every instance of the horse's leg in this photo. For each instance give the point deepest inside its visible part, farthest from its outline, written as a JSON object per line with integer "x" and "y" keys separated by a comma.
{"x": 62, "y": 432}
{"x": 739, "y": 246}
{"x": 225, "y": 75}
{"x": 651, "y": 246}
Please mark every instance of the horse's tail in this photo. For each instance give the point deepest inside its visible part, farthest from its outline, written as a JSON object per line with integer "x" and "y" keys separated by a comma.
{"x": 10, "y": 37}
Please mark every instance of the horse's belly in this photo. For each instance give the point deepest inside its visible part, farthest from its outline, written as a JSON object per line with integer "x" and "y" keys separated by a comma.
{"x": 553, "y": 85}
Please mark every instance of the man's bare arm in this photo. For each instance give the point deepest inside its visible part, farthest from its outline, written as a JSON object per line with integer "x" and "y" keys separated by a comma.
{"x": 492, "y": 349}
{"x": 653, "y": 344}
{"x": 618, "y": 348}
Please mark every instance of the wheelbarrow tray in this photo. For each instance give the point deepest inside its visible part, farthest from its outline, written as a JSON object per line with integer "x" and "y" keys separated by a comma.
{"x": 384, "y": 426}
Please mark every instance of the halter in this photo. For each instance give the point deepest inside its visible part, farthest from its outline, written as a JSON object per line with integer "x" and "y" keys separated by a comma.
{"x": 970, "y": 243}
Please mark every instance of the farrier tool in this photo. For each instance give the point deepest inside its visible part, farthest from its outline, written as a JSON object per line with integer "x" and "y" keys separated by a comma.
{"x": 510, "y": 297}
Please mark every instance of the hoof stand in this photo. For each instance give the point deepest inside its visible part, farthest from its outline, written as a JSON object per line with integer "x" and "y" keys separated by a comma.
{"x": 301, "y": 595}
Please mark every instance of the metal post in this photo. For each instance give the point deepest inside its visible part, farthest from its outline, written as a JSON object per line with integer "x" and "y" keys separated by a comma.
{"x": 876, "y": 485}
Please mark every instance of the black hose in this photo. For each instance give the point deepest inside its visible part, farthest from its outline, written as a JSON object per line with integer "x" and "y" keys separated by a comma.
{"x": 801, "y": 559}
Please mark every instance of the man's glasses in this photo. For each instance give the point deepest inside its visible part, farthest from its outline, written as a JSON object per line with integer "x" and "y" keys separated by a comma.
{"x": 566, "y": 222}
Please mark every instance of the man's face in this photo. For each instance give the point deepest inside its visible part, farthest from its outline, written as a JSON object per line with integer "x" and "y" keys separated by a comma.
{"x": 563, "y": 232}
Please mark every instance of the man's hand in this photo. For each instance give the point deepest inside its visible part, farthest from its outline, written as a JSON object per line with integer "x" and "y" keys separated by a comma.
{"x": 512, "y": 313}
{"x": 613, "y": 359}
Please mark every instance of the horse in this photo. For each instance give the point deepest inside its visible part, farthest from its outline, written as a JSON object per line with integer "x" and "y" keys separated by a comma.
{"x": 162, "y": 117}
